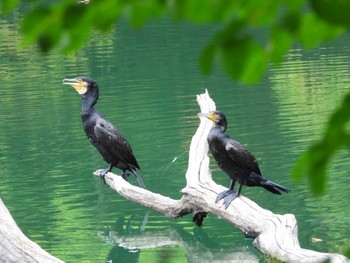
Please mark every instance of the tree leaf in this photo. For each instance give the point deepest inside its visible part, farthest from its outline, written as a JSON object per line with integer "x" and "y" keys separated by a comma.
{"x": 313, "y": 30}
{"x": 333, "y": 11}
{"x": 347, "y": 253}
{"x": 50, "y": 36}
{"x": 33, "y": 24}
{"x": 313, "y": 164}
{"x": 280, "y": 41}
{"x": 104, "y": 14}
{"x": 74, "y": 16}
{"x": 206, "y": 59}
{"x": 7, "y": 5}
{"x": 243, "y": 59}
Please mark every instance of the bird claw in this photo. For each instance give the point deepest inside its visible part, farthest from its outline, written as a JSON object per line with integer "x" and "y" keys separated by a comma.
{"x": 223, "y": 195}
{"x": 228, "y": 196}
{"x": 228, "y": 199}
{"x": 103, "y": 173}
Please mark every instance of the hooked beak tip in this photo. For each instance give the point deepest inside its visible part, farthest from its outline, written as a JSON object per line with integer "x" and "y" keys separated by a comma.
{"x": 69, "y": 81}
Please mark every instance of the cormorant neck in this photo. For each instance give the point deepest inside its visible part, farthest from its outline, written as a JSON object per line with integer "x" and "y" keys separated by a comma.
{"x": 222, "y": 124}
{"x": 89, "y": 100}
{"x": 222, "y": 127}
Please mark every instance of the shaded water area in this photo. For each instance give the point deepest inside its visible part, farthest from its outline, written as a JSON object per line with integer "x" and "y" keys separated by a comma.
{"x": 148, "y": 81}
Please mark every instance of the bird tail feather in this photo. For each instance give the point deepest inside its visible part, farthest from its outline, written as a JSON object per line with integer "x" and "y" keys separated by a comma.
{"x": 274, "y": 188}
{"x": 138, "y": 178}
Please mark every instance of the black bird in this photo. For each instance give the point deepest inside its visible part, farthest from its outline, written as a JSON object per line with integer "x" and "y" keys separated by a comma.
{"x": 111, "y": 144}
{"x": 234, "y": 159}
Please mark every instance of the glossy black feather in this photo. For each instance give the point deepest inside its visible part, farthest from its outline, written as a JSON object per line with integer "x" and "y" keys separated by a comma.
{"x": 111, "y": 144}
{"x": 109, "y": 138}
{"x": 236, "y": 160}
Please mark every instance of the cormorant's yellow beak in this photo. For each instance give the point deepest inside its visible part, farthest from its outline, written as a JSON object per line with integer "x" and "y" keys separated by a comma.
{"x": 210, "y": 115}
{"x": 78, "y": 84}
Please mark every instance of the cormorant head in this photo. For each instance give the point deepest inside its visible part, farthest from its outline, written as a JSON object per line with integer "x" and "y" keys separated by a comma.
{"x": 216, "y": 116}
{"x": 83, "y": 85}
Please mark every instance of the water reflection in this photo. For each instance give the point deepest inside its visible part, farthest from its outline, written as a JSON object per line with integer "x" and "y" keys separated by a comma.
{"x": 172, "y": 244}
{"x": 307, "y": 87}
{"x": 148, "y": 81}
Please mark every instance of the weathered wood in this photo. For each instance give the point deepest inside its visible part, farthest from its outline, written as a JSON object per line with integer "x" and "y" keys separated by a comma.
{"x": 274, "y": 235}
{"x": 15, "y": 246}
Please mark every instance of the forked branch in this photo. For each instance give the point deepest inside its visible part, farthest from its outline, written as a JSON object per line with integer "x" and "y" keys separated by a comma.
{"x": 274, "y": 235}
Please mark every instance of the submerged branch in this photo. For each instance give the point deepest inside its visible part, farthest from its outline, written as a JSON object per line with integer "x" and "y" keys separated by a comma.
{"x": 274, "y": 235}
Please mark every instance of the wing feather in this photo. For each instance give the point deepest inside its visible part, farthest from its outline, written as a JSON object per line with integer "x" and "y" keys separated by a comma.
{"x": 241, "y": 155}
{"x": 110, "y": 138}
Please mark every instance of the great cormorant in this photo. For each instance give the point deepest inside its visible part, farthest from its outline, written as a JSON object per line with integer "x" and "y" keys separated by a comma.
{"x": 111, "y": 144}
{"x": 234, "y": 159}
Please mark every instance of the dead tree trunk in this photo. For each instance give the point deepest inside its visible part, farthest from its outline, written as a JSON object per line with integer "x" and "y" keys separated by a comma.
{"x": 274, "y": 235}
{"x": 15, "y": 246}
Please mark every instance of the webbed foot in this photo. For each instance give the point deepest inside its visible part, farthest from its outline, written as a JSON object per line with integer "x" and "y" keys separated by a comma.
{"x": 103, "y": 173}
{"x": 223, "y": 195}
{"x": 228, "y": 196}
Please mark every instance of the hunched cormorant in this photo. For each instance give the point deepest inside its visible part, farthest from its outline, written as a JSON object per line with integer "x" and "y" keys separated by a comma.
{"x": 111, "y": 144}
{"x": 234, "y": 159}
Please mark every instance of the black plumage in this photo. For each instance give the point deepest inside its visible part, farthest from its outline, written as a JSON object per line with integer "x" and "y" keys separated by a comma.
{"x": 234, "y": 159}
{"x": 111, "y": 144}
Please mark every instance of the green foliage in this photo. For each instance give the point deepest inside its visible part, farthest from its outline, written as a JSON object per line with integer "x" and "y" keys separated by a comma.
{"x": 314, "y": 30}
{"x": 347, "y": 253}
{"x": 313, "y": 164}
{"x": 280, "y": 41}
{"x": 243, "y": 59}
{"x": 7, "y": 5}
{"x": 250, "y": 34}
{"x": 333, "y": 11}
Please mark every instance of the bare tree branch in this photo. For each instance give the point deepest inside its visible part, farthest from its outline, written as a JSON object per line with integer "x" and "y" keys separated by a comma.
{"x": 274, "y": 235}
{"x": 15, "y": 246}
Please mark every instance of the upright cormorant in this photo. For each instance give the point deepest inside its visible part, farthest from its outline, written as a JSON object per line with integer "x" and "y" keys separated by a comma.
{"x": 234, "y": 159}
{"x": 111, "y": 144}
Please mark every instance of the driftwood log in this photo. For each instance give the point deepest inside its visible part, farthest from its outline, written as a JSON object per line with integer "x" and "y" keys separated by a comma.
{"x": 15, "y": 246}
{"x": 276, "y": 236}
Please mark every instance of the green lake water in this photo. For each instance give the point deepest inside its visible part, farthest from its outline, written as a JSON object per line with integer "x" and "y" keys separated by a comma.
{"x": 148, "y": 82}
